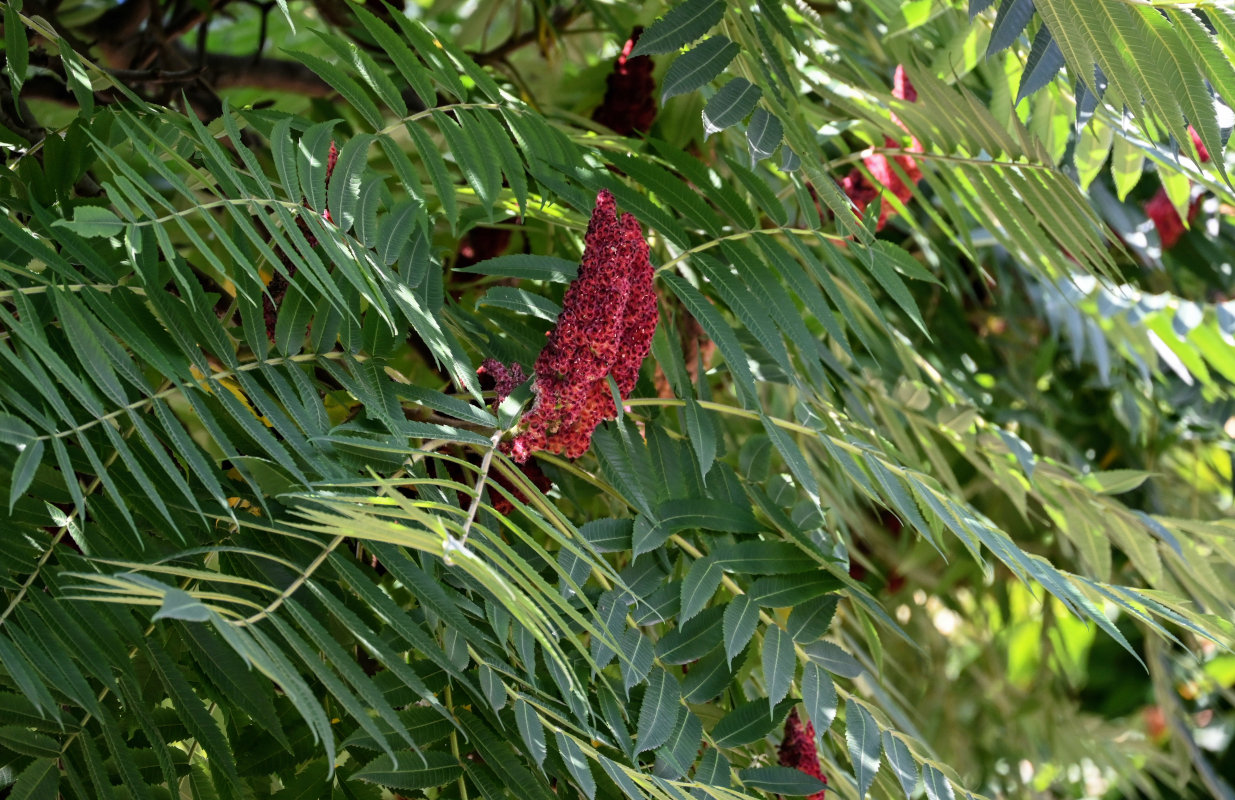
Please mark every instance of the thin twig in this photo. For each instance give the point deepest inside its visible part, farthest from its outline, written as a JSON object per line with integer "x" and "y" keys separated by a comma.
{"x": 294, "y": 585}
{"x": 474, "y": 506}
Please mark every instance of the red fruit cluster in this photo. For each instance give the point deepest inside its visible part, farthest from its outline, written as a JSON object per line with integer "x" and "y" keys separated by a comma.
{"x": 861, "y": 190}
{"x": 332, "y": 158}
{"x": 481, "y": 244}
{"x": 505, "y": 379}
{"x": 278, "y": 286}
{"x": 630, "y": 95}
{"x": 605, "y": 329}
{"x": 1162, "y": 211}
{"x": 797, "y": 750}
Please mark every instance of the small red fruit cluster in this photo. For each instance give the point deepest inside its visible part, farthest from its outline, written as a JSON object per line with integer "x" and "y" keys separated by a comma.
{"x": 630, "y": 96}
{"x": 860, "y": 189}
{"x": 1162, "y": 211}
{"x": 604, "y": 330}
{"x": 797, "y": 750}
{"x": 278, "y": 286}
{"x": 505, "y": 379}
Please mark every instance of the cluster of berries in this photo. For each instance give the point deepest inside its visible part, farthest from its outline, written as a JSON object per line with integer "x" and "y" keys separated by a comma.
{"x": 1162, "y": 211}
{"x": 886, "y": 178}
{"x": 277, "y": 288}
{"x": 797, "y": 750}
{"x": 630, "y": 93}
{"x": 604, "y": 331}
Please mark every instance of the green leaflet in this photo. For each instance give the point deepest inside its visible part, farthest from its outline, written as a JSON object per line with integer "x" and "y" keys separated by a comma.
{"x": 531, "y": 729}
{"x": 730, "y": 105}
{"x": 93, "y": 221}
{"x": 779, "y": 663}
{"x": 790, "y": 590}
{"x": 638, "y": 656}
{"x": 24, "y": 467}
{"x": 480, "y": 171}
{"x": 683, "y": 24}
{"x": 901, "y": 762}
{"x": 40, "y": 780}
{"x": 832, "y": 658}
{"x": 819, "y": 697}
{"x": 364, "y": 65}
{"x": 16, "y": 47}
{"x": 749, "y": 723}
{"x": 708, "y": 677}
{"x": 809, "y": 621}
{"x": 672, "y": 516}
{"x": 675, "y": 757}
{"x": 937, "y": 786}
{"x": 763, "y": 135}
{"x": 520, "y": 301}
{"x": 862, "y": 740}
{"x": 576, "y": 763}
{"x": 356, "y": 95}
{"x": 438, "y": 768}
{"x": 343, "y": 194}
{"x": 781, "y": 780}
{"x": 1127, "y": 163}
{"x": 701, "y": 582}
{"x": 698, "y": 66}
{"x": 691, "y": 639}
{"x": 658, "y": 711}
{"x": 741, "y": 616}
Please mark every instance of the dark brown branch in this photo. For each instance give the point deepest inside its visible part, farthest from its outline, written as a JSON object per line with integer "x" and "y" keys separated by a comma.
{"x": 117, "y": 32}
{"x": 45, "y": 87}
{"x": 232, "y": 72}
{"x": 16, "y": 116}
{"x": 560, "y": 19}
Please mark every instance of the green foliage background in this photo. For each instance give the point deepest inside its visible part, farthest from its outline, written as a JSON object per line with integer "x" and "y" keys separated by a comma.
{"x": 959, "y": 490}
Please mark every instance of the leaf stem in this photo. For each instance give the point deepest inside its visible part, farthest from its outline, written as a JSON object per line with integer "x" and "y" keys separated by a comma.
{"x": 294, "y": 585}
{"x": 708, "y": 245}
{"x": 474, "y": 505}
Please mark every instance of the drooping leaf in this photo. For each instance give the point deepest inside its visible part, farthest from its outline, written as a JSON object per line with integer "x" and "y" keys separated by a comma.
{"x": 576, "y": 763}
{"x": 93, "y": 221}
{"x": 729, "y": 106}
{"x": 937, "y": 786}
{"x": 1043, "y": 64}
{"x": 659, "y": 710}
{"x": 901, "y": 762}
{"x": 40, "y": 780}
{"x": 819, "y": 697}
{"x": 741, "y": 617}
{"x": 779, "y": 663}
{"x": 684, "y": 23}
{"x": 781, "y": 780}
{"x": 749, "y": 723}
{"x": 763, "y": 135}
{"x": 1010, "y": 20}
{"x": 436, "y": 769}
{"x": 16, "y": 48}
{"x": 862, "y": 739}
{"x": 531, "y": 729}
{"x": 698, "y": 66}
